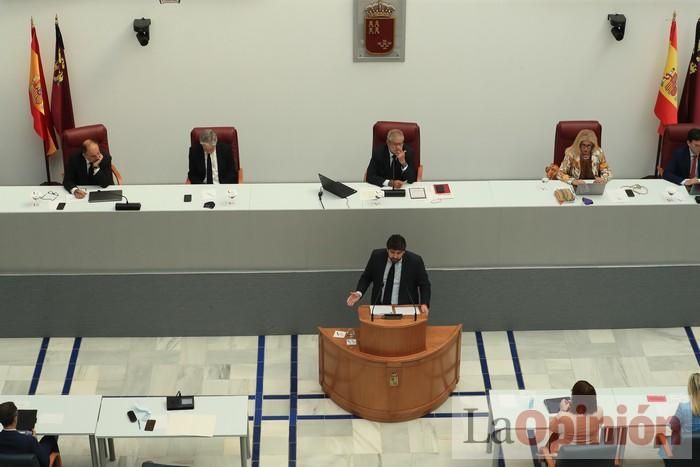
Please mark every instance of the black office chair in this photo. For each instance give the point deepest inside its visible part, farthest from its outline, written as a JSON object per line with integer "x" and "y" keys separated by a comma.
{"x": 685, "y": 454}
{"x": 153, "y": 464}
{"x": 584, "y": 455}
{"x": 19, "y": 460}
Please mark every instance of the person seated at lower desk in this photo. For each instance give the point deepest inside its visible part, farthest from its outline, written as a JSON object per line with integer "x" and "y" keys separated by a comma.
{"x": 579, "y": 419}
{"x": 16, "y": 442}
{"x": 682, "y": 168}
{"x": 392, "y": 164}
{"x": 88, "y": 167}
{"x": 584, "y": 160}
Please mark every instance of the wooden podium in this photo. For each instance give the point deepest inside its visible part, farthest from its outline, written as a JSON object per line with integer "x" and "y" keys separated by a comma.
{"x": 400, "y": 369}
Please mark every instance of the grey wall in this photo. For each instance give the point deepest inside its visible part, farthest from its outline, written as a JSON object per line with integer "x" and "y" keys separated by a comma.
{"x": 284, "y": 303}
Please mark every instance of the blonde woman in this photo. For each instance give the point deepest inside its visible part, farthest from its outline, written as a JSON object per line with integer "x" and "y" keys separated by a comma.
{"x": 688, "y": 413}
{"x": 584, "y": 160}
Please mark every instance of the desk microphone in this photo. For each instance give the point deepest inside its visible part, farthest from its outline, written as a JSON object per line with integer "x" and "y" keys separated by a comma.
{"x": 320, "y": 197}
{"x": 415, "y": 310}
{"x": 374, "y": 302}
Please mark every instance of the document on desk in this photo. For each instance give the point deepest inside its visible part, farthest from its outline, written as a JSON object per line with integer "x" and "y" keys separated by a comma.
{"x": 398, "y": 309}
{"x": 182, "y": 424}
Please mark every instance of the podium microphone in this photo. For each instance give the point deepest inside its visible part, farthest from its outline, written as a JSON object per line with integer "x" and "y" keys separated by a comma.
{"x": 374, "y": 302}
{"x": 415, "y": 310}
{"x": 320, "y": 197}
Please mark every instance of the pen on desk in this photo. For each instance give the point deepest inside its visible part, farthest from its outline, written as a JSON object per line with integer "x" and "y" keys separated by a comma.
{"x": 139, "y": 422}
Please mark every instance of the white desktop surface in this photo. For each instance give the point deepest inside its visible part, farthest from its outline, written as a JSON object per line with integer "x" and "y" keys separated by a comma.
{"x": 231, "y": 416}
{"x": 61, "y": 415}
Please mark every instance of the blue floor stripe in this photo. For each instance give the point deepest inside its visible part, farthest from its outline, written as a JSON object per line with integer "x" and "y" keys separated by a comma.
{"x": 533, "y": 447}
{"x": 516, "y": 360}
{"x": 293, "y": 401}
{"x": 39, "y": 364}
{"x": 469, "y": 393}
{"x": 482, "y": 360}
{"x": 693, "y": 343}
{"x": 257, "y": 418}
{"x": 71, "y": 366}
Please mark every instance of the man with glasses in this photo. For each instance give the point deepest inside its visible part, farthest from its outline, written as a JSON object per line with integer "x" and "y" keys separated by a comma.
{"x": 682, "y": 168}
{"x": 392, "y": 165}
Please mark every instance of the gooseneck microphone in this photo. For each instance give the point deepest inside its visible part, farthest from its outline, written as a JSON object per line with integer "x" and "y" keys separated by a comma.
{"x": 413, "y": 303}
{"x": 374, "y": 301}
{"x": 320, "y": 197}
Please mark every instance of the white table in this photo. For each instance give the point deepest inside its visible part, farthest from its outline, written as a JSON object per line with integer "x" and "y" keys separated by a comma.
{"x": 231, "y": 414}
{"x": 63, "y": 415}
{"x": 483, "y": 226}
{"x": 509, "y": 406}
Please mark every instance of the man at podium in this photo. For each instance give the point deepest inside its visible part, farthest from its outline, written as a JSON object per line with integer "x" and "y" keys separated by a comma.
{"x": 398, "y": 277}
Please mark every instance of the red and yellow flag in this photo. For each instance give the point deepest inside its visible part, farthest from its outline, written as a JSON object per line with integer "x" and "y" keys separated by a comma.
{"x": 38, "y": 103}
{"x": 666, "y": 108}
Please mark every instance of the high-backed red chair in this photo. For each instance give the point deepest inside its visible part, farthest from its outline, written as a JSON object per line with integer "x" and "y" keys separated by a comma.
{"x": 673, "y": 137}
{"x": 566, "y": 132}
{"x": 73, "y": 138}
{"x": 225, "y": 134}
{"x": 411, "y": 133}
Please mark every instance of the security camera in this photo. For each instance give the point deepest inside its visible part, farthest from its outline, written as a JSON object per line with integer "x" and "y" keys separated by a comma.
{"x": 618, "y": 22}
{"x": 141, "y": 27}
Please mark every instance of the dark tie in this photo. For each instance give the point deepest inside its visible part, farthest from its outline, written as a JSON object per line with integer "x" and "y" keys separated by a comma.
{"x": 89, "y": 174}
{"x": 210, "y": 175}
{"x": 389, "y": 286}
{"x": 393, "y": 167}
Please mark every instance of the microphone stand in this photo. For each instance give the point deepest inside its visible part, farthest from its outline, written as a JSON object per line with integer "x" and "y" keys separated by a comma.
{"x": 371, "y": 310}
{"x": 415, "y": 310}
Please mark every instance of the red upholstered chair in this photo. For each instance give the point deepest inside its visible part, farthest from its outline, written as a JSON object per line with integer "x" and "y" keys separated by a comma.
{"x": 225, "y": 134}
{"x": 73, "y": 139}
{"x": 411, "y": 133}
{"x": 566, "y": 134}
{"x": 674, "y": 136}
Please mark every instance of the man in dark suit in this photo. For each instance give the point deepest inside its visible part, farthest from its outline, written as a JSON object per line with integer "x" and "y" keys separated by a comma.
{"x": 392, "y": 164}
{"x": 682, "y": 168}
{"x": 398, "y": 277}
{"x": 88, "y": 167}
{"x": 15, "y": 442}
{"x": 211, "y": 161}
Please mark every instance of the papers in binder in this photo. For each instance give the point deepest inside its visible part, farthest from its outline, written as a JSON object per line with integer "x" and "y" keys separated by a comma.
{"x": 381, "y": 310}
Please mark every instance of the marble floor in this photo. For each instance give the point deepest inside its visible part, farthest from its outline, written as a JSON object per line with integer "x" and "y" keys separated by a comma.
{"x": 320, "y": 433}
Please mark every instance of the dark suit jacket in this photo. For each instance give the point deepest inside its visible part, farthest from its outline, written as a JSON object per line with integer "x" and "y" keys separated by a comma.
{"x": 224, "y": 161}
{"x": 379, "y": 168}
{"x": 414, "y": 286}
{"x": 13, "y": 442}
{"x": 76, "y": 172}
{"x": 678, "y": 167}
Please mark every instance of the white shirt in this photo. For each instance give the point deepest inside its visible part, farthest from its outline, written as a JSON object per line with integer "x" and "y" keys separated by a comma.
{"x": 88, "y": 166}
{"x": 397, "y": 281}
{"x": 214, "y": 168}
{"x": 403, "y": 167}
{"x": 691, "y": 166}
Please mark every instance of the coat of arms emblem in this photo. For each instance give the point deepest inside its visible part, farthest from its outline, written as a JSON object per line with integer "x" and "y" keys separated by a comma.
{"x": 379, "y": 28}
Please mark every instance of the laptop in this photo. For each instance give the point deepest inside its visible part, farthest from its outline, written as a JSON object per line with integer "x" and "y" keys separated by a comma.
{"x": 337, "y": 188}
{"x": 26, "y": 420}
{"x": 590, "y": 189}
{"x": 553, "y": 404}
{"x": 100, "y": 196}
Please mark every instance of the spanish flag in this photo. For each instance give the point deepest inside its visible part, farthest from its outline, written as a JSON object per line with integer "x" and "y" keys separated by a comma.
{"x": 38, "y": 102}
{"x": 666, "y": 108}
